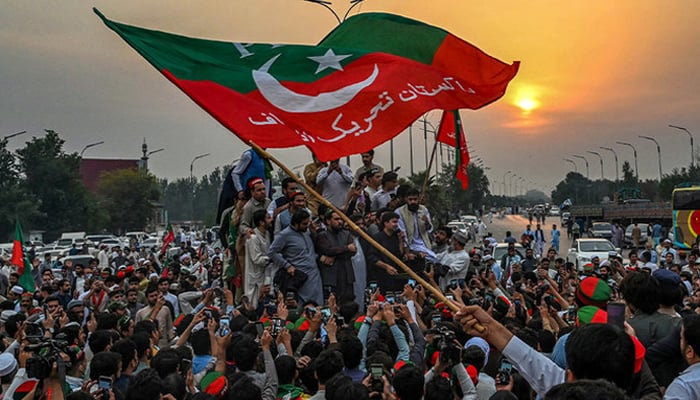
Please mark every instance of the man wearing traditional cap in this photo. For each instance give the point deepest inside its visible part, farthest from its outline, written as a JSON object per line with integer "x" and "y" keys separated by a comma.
{"x": 457, "y": 260}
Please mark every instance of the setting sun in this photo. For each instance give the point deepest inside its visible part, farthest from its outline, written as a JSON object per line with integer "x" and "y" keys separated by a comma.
{"x": 527, "y": 104}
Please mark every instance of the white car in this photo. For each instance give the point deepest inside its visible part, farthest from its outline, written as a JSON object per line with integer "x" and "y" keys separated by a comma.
{"x": 554, "y": 211}
{"x": 584, "y": 249}
{"x": 459, "y": 226}
{"x": 469, "y": 219}
{"x": 502, "y": 248}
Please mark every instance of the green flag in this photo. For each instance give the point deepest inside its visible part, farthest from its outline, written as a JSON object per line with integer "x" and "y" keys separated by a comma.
{"x": 20, "y": 260}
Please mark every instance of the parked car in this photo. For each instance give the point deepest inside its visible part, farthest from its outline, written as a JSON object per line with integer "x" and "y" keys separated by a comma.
{"x": 554, "y": 211}
{"x": 565, "y": 216}
{"x": 582, "y": 250}
{"x": 600, "y": 230}
{"x": 459, "y": 226}
{"x": 469, "y": 219}
{"x": 642, "y": 239}
{"x": 502, "y": 248}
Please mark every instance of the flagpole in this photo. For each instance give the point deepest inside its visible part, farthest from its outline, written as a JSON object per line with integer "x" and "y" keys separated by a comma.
{"x": 436, "y": 292}
{"x": 427, "y": 171}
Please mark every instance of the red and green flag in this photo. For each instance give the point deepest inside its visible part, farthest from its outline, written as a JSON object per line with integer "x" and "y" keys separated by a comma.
{"x": 451, "y": 133}
{"x": 20, "y": 260}
{"x": 363, "y": 84}
{"x": 169, "y": 238}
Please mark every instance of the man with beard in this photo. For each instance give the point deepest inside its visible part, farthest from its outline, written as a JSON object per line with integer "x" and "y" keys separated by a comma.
{"x": 163, "y": 287}
{"x": 336, "y": 179}
{"x": 336, "y": 247}
{"x": 256, "y": 258}
{"x": 96, "y": 298}
{"x": 157, "y": 310}
{"x": 297, "y": 202}
{"x": 132, "y": 302}
{"x": 293, "y": 249}
{"x": 379, "y": 267}
{"x": 529, "y": 264}
{"x": 456, "y": 260}
{"x": 414, "y": 221}
{"x": 442, "y": 238}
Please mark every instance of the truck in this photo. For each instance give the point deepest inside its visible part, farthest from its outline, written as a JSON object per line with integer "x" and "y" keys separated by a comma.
{"x": 630, "y": 211}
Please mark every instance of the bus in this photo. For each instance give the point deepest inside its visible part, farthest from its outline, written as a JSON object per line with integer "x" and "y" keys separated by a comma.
{"x": 685, "y": 204}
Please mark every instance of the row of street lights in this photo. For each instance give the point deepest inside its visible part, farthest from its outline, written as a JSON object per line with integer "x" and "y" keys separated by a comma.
{"x": 636, "y": 164}
{"x": 10, "y": 136}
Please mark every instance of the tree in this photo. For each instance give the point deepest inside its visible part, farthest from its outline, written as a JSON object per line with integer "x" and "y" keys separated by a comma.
{"x": 127, "y": 196}
{"x": 15, "y": 203}
{"x": 52, "y": 181}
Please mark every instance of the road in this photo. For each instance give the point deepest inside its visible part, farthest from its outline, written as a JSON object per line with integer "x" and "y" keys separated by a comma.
{"x": 516, "y": 225}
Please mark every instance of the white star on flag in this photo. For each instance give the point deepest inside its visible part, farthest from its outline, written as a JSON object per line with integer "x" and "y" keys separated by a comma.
{"x": 329, "y": 60}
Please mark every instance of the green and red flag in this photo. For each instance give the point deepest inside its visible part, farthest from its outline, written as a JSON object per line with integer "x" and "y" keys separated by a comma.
{"x": 363, "y": 84}
{"x": 169, "y": 238}
{"x": 20, "y": 260}
{"x": 451, "y": 133}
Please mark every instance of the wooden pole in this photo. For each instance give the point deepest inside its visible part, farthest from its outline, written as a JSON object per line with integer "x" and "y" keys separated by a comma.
{"x": 435, "y": 291}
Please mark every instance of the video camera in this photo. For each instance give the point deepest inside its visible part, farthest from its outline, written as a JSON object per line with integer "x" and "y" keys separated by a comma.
{"x": 444, "y": 342}
{"x": 46, "y": 352}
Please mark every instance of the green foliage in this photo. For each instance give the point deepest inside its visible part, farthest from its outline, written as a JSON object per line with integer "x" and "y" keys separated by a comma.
{"x": 15, "y": 202}
{"x": 444, "y": 196}
{"x": 52, "y": 182}
{"x": 127, "y": 196}
{"x": 178, "y": 195}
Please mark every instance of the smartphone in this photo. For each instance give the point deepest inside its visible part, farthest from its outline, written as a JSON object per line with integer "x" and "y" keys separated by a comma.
{"x": 450, "y": 297}
{"x": 105, "y": 384}
{"x": 390, "y": 298}
{"x": 276, "y": 326}
{"x": 412, "y": 283}
{"x": 377, "y": 370}
{"x": 208, "y": 313}
{"x": 185, "y": 366}
{"x": 310, "y": 312}
{"x": 224, "y": 326}
{"x": 373, "y": 286}
{"x": 454, "y": 284}
{"x": 340, "y": 320}
{"x": 268, "y": 281}
{"x": 428, "y": 267}
{"x": 325, "y": 314}
{"x": 462, "y": 283}
{"x": 571, "y": 316}
{"x": 504, "y": 371}
{"x": 616, "y": 314}
{"x": 436, "y": 317}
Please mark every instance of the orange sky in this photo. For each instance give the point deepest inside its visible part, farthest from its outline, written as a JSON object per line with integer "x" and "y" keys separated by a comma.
{"x": 599, "y": 71}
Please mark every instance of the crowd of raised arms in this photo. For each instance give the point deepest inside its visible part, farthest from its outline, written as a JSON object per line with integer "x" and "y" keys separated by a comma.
{"x": 288, "y": 303}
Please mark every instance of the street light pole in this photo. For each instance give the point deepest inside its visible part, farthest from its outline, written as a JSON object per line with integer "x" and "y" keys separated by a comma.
{"x": 90, "y": 145}
{"x": 410, "y": 145}
{"x": 192, "y": 180}
{"x": 617, "y": 165}
{"x": 572, "y": 163}
{"x": 658, "y": 151}
{"x": 505, "y": 188}
{"x": 692, "y": 149}
{"x": 10, "y": 136}
{"x": 636, "y": 166}
{"x": 602, "y": 177}
{"x": 586, "y": 161}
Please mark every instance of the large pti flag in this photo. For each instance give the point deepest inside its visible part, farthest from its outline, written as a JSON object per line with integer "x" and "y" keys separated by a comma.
{"x": 360, "y": 86}
{"x": 19, "y": 260}
{"x": 451, "y": 132}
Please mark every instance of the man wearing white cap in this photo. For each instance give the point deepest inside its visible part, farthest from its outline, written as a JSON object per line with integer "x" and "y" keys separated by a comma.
{"x": 14, "y": 295}
{"x": 668, "y": 249}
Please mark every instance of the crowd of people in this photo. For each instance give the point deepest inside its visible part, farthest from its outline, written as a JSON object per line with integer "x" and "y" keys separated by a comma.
{"x": 295, "y": 305}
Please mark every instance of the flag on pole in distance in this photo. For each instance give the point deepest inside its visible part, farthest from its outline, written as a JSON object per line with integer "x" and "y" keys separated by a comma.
{"x": 363, "y": 84}
{"x": 20, "y": 260}
{"x": 451, "y": 133}
{"x": 169, "y": 238}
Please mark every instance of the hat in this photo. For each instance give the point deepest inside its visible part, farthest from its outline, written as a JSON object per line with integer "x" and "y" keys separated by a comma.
{"x": 7, "y": 364}
{"x": 74, "y": 303}
{"x": 595, "y": 257}
{"x": 588, "y": 267}
{"x": 667, "y": 277}
{"x": 152, "y": 275}
{"x": 612, "y": 253}
{"x": 174, "y": 286}
{"x": 593, "y": 292}
{"x": 214, "y": 383}
{"x": 487, "y": 257}
{"x": 254, "y": 181}
{"x": 667, "y": 241}
{"x": 482, "y": 344}
{"x": 6, "y": 314}
{"x": 18, "y": 290}
{"x": 591, "y": 315}
{"x": 185, "y": 256}
{"x": 121, "y": 268}
{"x": 116, "y": 305}
{"x": 460, "y": 237}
